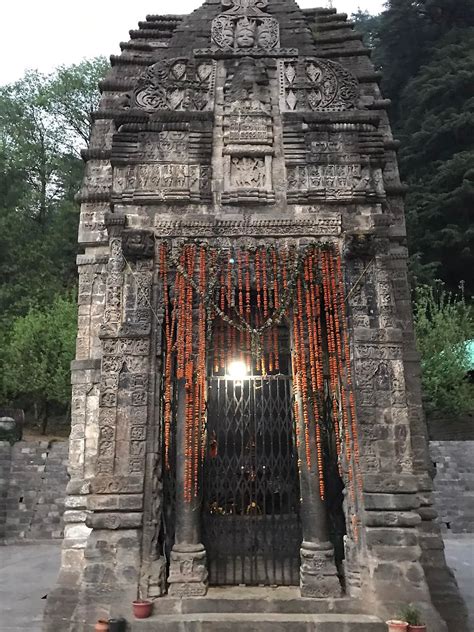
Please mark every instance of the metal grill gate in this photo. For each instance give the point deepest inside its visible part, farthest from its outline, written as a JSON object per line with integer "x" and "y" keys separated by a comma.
{"x": 251, "y": 523}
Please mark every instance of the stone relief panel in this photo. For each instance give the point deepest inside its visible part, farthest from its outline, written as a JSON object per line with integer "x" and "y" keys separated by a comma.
{"x": 245, "y": 26}
{"x": 247, "y": 133}
{"x": 177, "y": 84}
{"x": 319, "y": 85}
{"x": 332, "y": 168}
{"x": 166, "y": 146}
{"x": 167, "y": 182}
{"x": 92, "y": 226}
{"x": 247, "y": 173}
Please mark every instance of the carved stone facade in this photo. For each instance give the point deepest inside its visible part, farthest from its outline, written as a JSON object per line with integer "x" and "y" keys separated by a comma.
{"x": 236, "y": 127}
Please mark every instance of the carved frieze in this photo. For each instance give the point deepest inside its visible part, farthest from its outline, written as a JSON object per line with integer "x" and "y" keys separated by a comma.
{"x": 166, "y": 182}
{"x": 177, "y": 84}
{"x": 316, "y": 226}
{"x": 328, "y": 181}
{"x": 312, "y": 84}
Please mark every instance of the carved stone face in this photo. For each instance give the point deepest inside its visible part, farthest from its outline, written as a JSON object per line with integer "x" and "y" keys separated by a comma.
{"x": 245, "y": 34}
{"x": 264, "y": 37}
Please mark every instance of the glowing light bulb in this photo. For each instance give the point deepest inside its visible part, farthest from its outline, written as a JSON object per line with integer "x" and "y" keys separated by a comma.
{"x": 237, "y": 370}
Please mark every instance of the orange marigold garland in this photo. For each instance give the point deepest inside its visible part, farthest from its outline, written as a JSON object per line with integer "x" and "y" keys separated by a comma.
{"x": 276, "y": 306}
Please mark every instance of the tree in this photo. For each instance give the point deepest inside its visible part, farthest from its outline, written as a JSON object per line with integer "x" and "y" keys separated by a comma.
{"x": 39, "y": 352}
{"x": 409, "y": 32}
{"x": 444, "y": 323}
{"x": 369, "y": 26}
{"x": 44, "y": 122}
{"x": 437, "y": 161}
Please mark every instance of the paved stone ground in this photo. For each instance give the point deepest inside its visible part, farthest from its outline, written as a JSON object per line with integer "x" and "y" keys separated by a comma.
{"x": 27, "y": 572}
{"x": 460, "y": 556}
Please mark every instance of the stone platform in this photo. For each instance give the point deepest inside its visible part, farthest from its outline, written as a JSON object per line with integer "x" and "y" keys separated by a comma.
{"x": 247, "y": 609}
{"x": 258, "y": 622}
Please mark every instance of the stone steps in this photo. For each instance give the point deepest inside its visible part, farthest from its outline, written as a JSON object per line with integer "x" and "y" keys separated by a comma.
{"x": 259, "y": 622}
{"x": 278, "y": 600}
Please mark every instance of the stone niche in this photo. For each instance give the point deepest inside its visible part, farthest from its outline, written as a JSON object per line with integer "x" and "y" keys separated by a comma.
{"x": 241, "y": 206}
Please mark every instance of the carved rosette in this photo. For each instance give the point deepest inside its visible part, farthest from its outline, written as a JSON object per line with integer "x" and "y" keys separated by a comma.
{"x": 318, "y": 85}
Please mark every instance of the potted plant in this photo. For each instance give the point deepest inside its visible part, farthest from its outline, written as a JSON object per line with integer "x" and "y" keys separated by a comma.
{"x": 101, "y": 626}
{"x": 397, "y": 625}
{"x": 412, "y": 616}
{"x": 142, "y": 608}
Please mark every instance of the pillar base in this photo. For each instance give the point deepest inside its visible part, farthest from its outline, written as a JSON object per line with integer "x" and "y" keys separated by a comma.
{"x": 318, "y": 574}
{"x": 188, "y": 571}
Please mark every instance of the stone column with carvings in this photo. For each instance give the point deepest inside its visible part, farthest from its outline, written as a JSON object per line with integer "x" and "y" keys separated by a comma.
{"x": 188, "y": 571}
{"x": 318, "y": 573}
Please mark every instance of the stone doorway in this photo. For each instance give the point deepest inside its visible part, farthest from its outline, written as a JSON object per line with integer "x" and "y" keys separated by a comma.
{"x": 251, "y": 509}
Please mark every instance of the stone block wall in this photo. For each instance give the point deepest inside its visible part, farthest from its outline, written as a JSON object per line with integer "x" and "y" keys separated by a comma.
{"x": 33, "y": 478}
{"x": 454, "y": 484}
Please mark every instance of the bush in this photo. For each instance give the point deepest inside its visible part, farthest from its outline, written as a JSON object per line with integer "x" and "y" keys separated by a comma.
{"x": 38, "y": 356}
{"x": 444, "y": 324}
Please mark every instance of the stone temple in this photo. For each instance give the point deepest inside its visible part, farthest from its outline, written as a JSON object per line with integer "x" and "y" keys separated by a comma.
{"x": 248, "y": 447}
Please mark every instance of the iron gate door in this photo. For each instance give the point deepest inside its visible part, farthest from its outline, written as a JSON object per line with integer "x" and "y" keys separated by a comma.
{"x": 251, "y": 523}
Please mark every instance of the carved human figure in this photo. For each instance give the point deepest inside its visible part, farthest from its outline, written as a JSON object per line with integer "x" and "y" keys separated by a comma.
{"x": 245, "y": 33}
{"x": 267, "y": 34}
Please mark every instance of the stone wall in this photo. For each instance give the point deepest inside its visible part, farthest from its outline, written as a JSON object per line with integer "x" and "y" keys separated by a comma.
{"x": 454, "y": 484}
{"x": 33, "y": 480}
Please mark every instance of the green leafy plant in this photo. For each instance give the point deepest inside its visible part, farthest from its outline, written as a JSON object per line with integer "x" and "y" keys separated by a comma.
{"x": 411, "y": 615}
{"x": 38, "y": 356}
{"x": 444, "y": 323}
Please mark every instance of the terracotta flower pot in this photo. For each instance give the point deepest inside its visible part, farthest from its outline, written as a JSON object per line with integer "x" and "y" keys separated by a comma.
{"x": 416, "y": 628}
{"x": 397, "y": 626}
{"x": 142, "y": 609}
{"x": 101, "y": 626}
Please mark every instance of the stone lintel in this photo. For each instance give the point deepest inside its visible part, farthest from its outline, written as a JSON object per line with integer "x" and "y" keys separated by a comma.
{"x": 396, "y": 483}
{"x": 390, "y": 502}
{"x": 104, "y": 484}
{"x": 115, "y": 520}
{"x": 121, "y": 502}
{"x": 392, "y": 519}
{"x": 91, "y": 364}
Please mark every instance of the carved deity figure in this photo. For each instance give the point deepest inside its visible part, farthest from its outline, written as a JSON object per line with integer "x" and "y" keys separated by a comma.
{"x": 245, "y": 33}
{"x": 248, "y": 173}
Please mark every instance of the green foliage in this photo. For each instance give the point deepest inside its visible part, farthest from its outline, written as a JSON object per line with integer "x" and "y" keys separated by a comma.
{"x": 408, "y": 33}
{"x": 444, "y": 323}
{"x": 39, "y": 352}
{"x": 44, "y": 122}
{"x": 369, "y": 26}
{"x": 411, "y": 615}
{"x": 437, "y": 158}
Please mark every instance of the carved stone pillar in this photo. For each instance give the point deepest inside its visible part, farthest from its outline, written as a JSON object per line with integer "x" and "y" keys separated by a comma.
{"x": 318, "y": 573}
{"x": 188, "y": 570}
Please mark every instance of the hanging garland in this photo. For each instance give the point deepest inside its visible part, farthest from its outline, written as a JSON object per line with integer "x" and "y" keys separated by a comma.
{"x": 209, "y": 311}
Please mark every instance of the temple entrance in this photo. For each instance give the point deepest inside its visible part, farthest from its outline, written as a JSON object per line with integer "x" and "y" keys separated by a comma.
{"x": 250, "y": 512}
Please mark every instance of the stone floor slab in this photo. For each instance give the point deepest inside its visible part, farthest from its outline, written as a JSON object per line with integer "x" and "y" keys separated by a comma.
{"x": 27, "y": 573}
